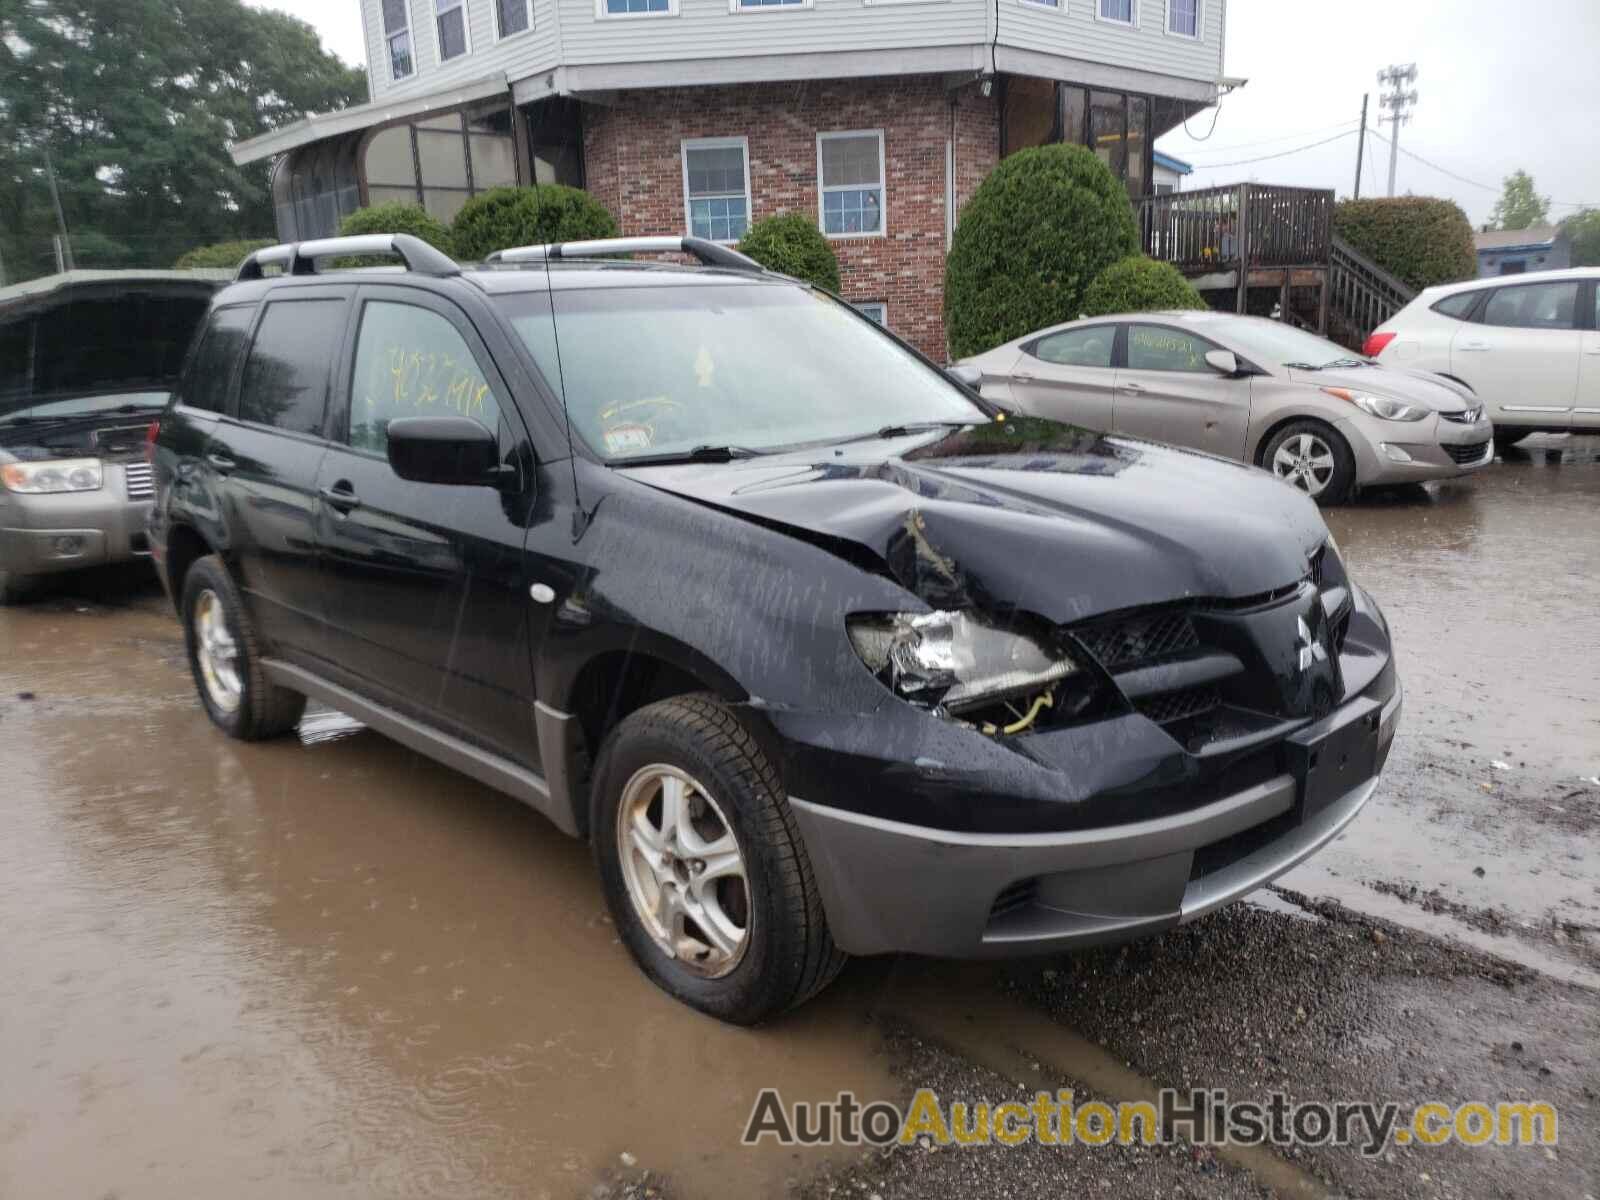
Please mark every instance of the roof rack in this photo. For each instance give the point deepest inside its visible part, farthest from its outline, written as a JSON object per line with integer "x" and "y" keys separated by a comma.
{"x": 300, "y": 258}
{"x": 709, "y": 253}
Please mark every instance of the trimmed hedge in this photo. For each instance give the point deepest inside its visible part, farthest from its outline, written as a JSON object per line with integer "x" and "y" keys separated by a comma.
{"x": 1029, "y": 243}
{"x": 793, "y": 245}
{"x": 1422, "y": 240}
{"x": 396, "y": 217}
{"x": 510, "y": 216}
{"x": 221, "y": 255}
{"x": 1139, "y": 284}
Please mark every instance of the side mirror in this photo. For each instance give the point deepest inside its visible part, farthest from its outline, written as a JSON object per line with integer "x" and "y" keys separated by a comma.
{"x": 451, "y": 450}
{"x": 1223, "y": 362}
{"x": 967, "y": 377}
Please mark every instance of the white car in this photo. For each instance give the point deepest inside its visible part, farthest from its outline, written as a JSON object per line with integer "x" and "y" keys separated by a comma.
{"x": 1528, "y": 345}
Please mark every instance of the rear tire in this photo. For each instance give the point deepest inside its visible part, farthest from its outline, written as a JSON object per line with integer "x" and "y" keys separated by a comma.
{"x": 768, "y": 948}
{"x": 1505, "y": 438}
{"x": 15, "y": 588}
{"x": 225, "y": 659}
{"x": 1314, "y": 457}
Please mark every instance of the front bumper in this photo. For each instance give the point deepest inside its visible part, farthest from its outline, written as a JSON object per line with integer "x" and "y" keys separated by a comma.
{"x": 64, "y": 531}
{"x": 1390, "y": 452}
{"x": 888, "y": 886}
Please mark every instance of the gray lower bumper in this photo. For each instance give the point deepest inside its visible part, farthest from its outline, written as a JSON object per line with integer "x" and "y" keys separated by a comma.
{"x": 65, "y": 531}
{"x": 891, "y": 887}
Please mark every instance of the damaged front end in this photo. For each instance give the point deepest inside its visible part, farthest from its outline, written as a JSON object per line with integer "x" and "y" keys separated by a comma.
{"x": 960, "y": 666}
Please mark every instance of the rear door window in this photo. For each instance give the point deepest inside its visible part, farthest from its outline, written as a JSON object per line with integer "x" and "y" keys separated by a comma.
{"x": 1533, "y": 306}
{"x": 211, "y": 370}
{"x": 412, "y": 363}
{"x": 286, "y": 376}
{"x": 1077, "y": 347}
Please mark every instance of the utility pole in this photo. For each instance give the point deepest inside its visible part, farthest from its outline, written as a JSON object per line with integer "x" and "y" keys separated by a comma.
{"x": 1398, "y": 103}
{"x": 64, "y": 245}
{"x": 1361, "y": 142}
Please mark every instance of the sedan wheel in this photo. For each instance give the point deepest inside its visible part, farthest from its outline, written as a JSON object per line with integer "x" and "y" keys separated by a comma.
{"x": 683, "y": 869}
{"x": 1307, "y": 462}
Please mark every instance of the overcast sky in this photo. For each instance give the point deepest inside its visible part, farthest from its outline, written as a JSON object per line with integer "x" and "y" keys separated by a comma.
{"x": 1502, "y": 84}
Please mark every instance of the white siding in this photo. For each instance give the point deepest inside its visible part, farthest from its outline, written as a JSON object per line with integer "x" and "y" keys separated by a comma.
{"x": 1072, "y": 30}
{"x": 517, "y": 56}
{"x": 569, "y": 32}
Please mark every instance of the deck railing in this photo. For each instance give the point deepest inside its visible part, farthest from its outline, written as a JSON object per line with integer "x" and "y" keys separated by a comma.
{"x": 1253, "y": 224}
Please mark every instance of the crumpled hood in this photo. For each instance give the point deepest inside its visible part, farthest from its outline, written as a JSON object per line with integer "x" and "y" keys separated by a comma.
{"x": 1027, "y": 514}
{"x": 1394, "y": 383}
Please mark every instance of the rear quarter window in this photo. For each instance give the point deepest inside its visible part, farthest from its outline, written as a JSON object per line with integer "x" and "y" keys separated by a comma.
{"x": 286, "y": 377}
{"x": 1459, "y": 306}
{"x": 205, "y": 384}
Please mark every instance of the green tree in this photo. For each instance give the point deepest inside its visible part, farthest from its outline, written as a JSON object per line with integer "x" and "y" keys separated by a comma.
{"x": 1030, "y": 241}
{"x": 399, "y": 217}
{"x": 523, "y": 216}
{"x": 792, "y": 244}
{"x": 1421, "y": 239}
{"x": 1583, "y": 228}
{"x": 1139, "y": 284}
{"x": 1519, "y": 205}
{"x": 135, "y": 102}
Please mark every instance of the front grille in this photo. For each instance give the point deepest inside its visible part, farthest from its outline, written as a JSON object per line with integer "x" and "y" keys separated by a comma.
{"x": 1467, "y": 416}
{"x": 1180, "y": 705}
{"x": 139, "y": 479}
{"x": 1138, "y": 640}
{"x": 1471, "y": 452}
{"x": 1318, "y": 558}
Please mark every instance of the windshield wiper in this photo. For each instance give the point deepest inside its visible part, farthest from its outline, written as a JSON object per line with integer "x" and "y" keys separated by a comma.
{"x": 1302, "y": 366}
{"x": 700, "y": 454}
{"x": 896, "y": 431}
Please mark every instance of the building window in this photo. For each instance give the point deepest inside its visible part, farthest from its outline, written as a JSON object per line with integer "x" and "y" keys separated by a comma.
{"x": 452, "y": 18}
{"x": 513, "y": 16}
{"x": 637, "y": 8}
{"x": 1123, "y": 12}
{"x": 1183, "y": 18}
{"x": 397, "y": 33}
{"x": 716, "y": 187}
{"x": 765, "y": 5}
{"x": 850, "y": 176}
{"x": 874, "y": 310}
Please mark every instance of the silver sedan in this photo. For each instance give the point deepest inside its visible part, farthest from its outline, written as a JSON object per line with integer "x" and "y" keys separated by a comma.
{"x": 1246, "y": 388}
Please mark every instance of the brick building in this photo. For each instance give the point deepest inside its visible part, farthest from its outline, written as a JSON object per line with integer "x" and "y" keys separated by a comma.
{"x": 878, "y": 118}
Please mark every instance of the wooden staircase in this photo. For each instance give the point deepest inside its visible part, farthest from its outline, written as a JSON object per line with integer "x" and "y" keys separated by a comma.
{"x": 1268, "y": 250}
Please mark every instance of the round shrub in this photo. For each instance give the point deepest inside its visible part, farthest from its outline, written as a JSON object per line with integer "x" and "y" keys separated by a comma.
{"x": 1033, "y": 237}
{"x": 793, "y": 245}
{"x": 1422, "y": 240}
{"x": 221, "y": 255}
{"x": 504, "y": 217}
{"x": 396, "y": 217}
{"x": 1139, "y": 285}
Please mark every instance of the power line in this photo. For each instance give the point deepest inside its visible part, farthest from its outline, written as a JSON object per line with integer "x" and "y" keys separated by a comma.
{"x": 1488, "y": 187}
{"x": 1285, "y": 137}
{"x": 1281, "y": 154}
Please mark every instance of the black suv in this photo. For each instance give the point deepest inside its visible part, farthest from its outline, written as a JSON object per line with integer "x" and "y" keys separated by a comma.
{"x": 823, "y": 653}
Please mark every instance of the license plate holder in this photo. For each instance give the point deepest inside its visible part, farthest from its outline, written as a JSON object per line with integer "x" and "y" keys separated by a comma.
{"x": 1329, "y": 762}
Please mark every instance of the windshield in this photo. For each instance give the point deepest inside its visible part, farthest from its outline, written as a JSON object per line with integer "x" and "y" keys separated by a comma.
{"x": 1271, "y": 342}
{"x": 659, "y": 370}
{"x": 82, "y": 406}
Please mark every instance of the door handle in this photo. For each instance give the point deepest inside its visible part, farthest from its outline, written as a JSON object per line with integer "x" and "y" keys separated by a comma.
{"x": 1130, "y": 387}
{"x": 221, "y": 463}
{"x": 1023, "y": 377}
{"x": 341, "y": 496}
{"x": 1475, "y": 345}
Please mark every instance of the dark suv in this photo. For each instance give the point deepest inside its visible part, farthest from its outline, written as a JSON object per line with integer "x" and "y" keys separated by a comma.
{"x": 823, "y": 653}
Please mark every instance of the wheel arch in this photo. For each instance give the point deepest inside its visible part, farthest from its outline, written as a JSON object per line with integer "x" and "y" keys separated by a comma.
{"x": 186, "y": 545}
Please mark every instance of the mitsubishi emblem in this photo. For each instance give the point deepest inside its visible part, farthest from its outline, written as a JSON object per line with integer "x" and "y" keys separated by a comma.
{"x": 1311, "y": 651}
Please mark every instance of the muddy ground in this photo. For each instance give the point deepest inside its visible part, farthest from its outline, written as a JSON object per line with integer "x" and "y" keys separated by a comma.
{"x": 326, "y": 967}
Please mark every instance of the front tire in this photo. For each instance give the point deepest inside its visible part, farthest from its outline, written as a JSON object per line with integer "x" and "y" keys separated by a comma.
{"x": 703, "y": 868}
{"x": 225, "y": 659}
{"x": 1314, "y": 457}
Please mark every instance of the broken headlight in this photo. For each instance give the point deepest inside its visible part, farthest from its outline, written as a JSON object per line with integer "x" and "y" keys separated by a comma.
{"x": 955, "y": 662}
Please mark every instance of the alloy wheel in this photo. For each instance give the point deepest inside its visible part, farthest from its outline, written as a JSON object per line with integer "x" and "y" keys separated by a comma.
{"x": 217, "y": 652}
{"x": 1306, "y": 461}
{"x": 683, "y": 869}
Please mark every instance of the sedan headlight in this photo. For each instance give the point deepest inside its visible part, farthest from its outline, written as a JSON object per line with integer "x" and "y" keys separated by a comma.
{"x": 953, "y": 661}
{"x": 1380, "y": 406}
{"x": 57, "y": 475}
